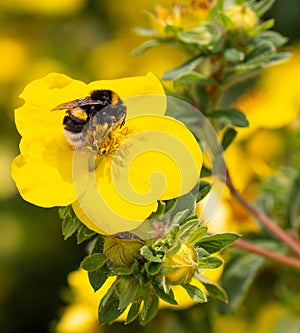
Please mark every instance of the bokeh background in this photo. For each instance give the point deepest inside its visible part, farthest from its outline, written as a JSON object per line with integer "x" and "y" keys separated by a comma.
{"x": 87, "y": 40}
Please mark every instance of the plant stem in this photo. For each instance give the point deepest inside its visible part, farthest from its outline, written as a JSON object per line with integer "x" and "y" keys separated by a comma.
{"x": 264, "y": 219}
{"x": 290, "y": 261}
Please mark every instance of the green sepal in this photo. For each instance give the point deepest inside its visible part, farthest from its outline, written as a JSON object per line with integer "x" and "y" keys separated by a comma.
{"x": 84, "y": 233}
{"x": 215, "y": 243}
{"x": 228, "y": 136}
{"x": 262, "y": 6}
{"x": 195, "y": 293}
{"x": 94, "y": 261}
{"x": 230, "y": 117}
{"x": 166, "y": 296}
{"x": 133, "y": 312}
{"x": 204, "y": 189}
{"x": 213, "y": 288}
{"x": 210, "y": 262}
{"x": 150, "y": 306}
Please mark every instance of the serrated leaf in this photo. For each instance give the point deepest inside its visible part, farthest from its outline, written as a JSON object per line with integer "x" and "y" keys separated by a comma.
{"x": 217, "y": 242}
{"x": 108, "y": 310}
{"x": 146, "y": 252}
{"x": 98, "y": 277}
{"x": 228, "y": 136}
{"x": 210, "y": 262}
{"x": 230, "y": 117}
{"x": 196, "y": 235}
{"x": 133, "y": 312}
{"x": 183, "y": 69}
{"x": 69, "y": 226}
{"x": 204, "y": 189}
{"x": 94, "y": 261}
{"x": 195, "y": 293}
{"x": 150, "y": 307}
{"x": 167, "y": 297}
{"x": 84, "y": 233}
{"x": 148, "y": 44}
{"x": 213, "y": 288}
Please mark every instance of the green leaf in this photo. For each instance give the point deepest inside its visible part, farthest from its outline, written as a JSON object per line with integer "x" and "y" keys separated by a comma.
{"x": 234, "y": 55}
{"x": 230, "y": 117}
{"x": 196, "y": 235}
{"x": 63, "y": 212}
{"x": 210, "y": 262}
{"x": 109, "y": 310}
{"x": 150, "y": 306}
{"x": 259, "y": 54}
{"x": 239, "y": 274}
{"x": 272, "y": 36}
{"x": 129, "y": 288}
{"x": 187, "y": 228}
{"x": 98, "y": 277}
{"x": 204, "y": 189}
{"x": 148, "y": 44}
{"x": 217, "y": 242}
{"x": 183, "y": 69}
{"x": 262, "y": 6}
{"x": 133, "y": 312}
{"x": 145, "y": 32}
{"x": 167, "y": 297}
{"x": 161, "y": 206}
{"x": 228, "y": 136}
{"x": 195, "y": 293}
{"x": 153, "y": 268}
{"x": 70, "y": 225}
{"x": 84, "y": 233}
{"x": 194, "y": 78}
{"x": 146, "y": 252}
{"x": 94, "y": 261}
{"x": 172, "y": 29}
{"x": 213, "y": 288}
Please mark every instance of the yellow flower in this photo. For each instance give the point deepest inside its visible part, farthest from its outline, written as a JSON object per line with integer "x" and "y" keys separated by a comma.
{"x": 164, "y": 17}
{"x": 116, "y": 194}
{"x": 242, "y": 17}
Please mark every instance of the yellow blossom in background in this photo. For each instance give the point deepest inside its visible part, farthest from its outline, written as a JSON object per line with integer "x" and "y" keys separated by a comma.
{"x": 13, "y": 59}
{"x": 46, "y": 7}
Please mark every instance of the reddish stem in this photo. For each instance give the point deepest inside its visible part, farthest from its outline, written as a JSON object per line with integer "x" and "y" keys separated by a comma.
{"x": 264, "y": 219}
{"x": 290, "y": 261}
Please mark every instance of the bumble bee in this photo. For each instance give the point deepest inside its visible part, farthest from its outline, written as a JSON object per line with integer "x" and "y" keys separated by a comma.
{"x": 89, "y": 119}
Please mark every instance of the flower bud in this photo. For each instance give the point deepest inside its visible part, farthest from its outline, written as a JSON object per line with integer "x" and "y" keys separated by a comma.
{"x": 242, "y": 17}
{"x": 180, "y": 267}
{"x": 121, "y": 252}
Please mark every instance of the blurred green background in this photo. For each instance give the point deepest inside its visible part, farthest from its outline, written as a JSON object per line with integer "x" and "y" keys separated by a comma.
{"x": 86, "y": 40}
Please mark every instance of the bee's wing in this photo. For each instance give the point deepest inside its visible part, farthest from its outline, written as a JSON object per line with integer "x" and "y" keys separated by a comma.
{"x": 77, "y": 103}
